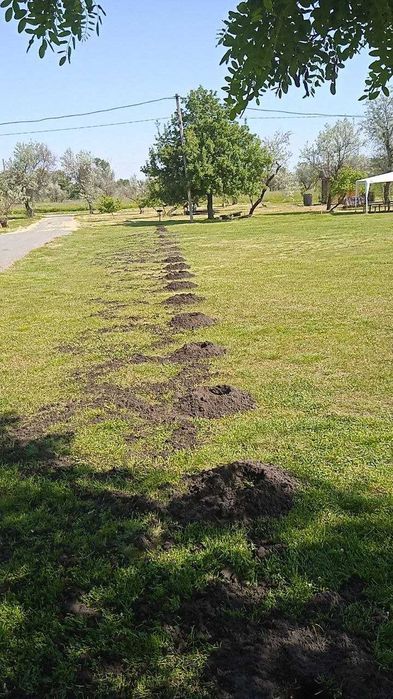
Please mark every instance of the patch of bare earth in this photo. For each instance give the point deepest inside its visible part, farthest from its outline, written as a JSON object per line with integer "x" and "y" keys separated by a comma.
{"x": 183, "y": 300}
{"x": 178, "y": 275}
{"x": 180, "y": 285}
{"x": 197, "y": 351}
{"x": 191, "y": 321}
{"x": 277, "y": 658}
{"x": 215, "y": 401}
{"x": 236, "y": 492}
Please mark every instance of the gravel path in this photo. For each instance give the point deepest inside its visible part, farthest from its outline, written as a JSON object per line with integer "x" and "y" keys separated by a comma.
{"x": 14, "y": 246}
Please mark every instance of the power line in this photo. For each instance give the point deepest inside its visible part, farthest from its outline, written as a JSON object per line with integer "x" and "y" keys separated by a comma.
{"x": 284, "y": 117}
{"x": 79, "y": 128}
{"x": 96, "y": 111}
{"x": 304, "y": 114}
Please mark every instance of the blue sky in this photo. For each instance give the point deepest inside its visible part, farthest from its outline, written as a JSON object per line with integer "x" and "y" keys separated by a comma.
{"x": 146, "y": 50}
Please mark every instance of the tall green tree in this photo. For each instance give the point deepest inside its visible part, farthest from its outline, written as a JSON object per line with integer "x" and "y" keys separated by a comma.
{"x": 223, "y": 158}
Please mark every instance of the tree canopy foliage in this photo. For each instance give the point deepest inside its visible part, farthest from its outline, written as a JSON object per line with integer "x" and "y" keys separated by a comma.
{"x": 55, "y": 24}
{"x": 26, "y": 173}
{"x": 276, "y": 44}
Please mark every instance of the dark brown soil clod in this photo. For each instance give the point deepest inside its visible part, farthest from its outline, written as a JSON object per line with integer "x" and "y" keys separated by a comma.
{"x": 183, "y": 300}
{"x": 191, "y": 321}
{"x": 178, "y": 286}
{"x": 237, "y": 492}
{"x": 197, "y": 351}
{"x": 216, "y": 401}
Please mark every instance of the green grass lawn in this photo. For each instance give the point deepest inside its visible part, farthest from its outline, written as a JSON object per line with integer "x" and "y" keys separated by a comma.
{"x": 95, "y": 586}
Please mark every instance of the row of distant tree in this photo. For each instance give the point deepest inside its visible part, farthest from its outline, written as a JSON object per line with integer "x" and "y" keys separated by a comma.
{"x": 33, "y": 174}
{"x": 223, "y": 159}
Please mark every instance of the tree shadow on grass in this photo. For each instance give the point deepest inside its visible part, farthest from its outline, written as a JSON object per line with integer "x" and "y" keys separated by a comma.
{"x": 149, "y": 223}
{"x": 105, "y": 591}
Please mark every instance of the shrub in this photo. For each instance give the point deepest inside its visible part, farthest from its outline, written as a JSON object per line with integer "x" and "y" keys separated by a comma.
{"x": 108, "y": 205}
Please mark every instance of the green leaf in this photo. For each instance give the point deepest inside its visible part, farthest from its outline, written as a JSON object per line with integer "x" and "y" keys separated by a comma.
{"x": 9, "y": 14}
{"x": 42, "y": 49}
{"x": 5, "y": 3}
{"x": 62, "y": 60}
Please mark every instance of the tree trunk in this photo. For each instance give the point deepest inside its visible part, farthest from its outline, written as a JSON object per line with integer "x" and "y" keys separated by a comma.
{"x": 29, "y": 210}
{"x": 325, "y": 186}
{"x": 257, "y": 201}
{"x": 386, "y": 192}
{"x": 264, "y": 189}
{"x": 329, "y": 202}
{"x": 91, "y": 209}
{"x": 210, "y": 210}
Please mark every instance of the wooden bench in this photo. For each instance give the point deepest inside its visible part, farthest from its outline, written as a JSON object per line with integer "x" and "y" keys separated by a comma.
{"x": 375, "y": 206}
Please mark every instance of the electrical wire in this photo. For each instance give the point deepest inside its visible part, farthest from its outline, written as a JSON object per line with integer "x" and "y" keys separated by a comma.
{"x": 285, "y": 117}
{"x": 79, "y": 128}
{"x": 304, "y": 114}
{"x": 96, "y": 111}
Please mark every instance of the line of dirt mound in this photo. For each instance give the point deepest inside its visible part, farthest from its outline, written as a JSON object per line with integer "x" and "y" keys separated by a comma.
{"x": 178, "y": 286}
{"x": 277, "y": 658}
{"x": 191, "y": 321}
{"x": 196, "y": 351}
{"x": 183, "y": 300}
{"x": 237, "y": 492}
{"x": 215, "y": 401}
{"x": 179, "y": 275}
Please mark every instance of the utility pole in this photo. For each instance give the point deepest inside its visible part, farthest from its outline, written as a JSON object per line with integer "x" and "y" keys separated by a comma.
{"x": 181, "y": 129}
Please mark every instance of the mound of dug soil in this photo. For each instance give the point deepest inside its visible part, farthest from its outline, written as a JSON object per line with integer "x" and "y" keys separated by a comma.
{"x": 179, "y": 275}
{"x": 237, "y": 492}
{"x": 183, "y": 300}
{"x": 191, "y": 321}
{"x": 178, "y": 286}
{"x": 215, "y": 401}
{"x": 177, "y": 267}
{"x": 174, "y": 258}
{"x": 279, "y": 658}
{"x": 197, "y": 351}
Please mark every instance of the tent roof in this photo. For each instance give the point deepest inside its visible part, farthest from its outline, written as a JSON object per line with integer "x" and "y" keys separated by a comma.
{"x": 386, "y": 177}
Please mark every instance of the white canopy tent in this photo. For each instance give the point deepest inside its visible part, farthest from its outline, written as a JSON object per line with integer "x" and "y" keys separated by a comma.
{"x": 368, "y": 181}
